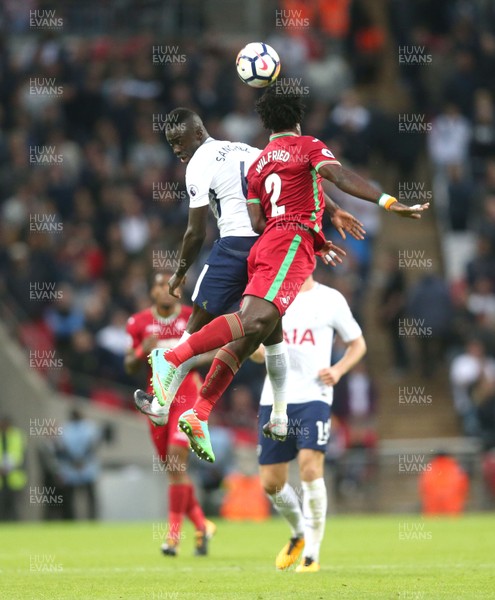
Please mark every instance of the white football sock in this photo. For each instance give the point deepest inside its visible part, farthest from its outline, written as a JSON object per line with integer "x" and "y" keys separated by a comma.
{"x": 287, "y": 504}
{"x": 277, "y": 365}
{"x": 315, "y": 512}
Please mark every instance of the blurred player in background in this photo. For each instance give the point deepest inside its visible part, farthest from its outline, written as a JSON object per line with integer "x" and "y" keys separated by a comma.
{"x": 286, "y": 203}
{"x": 216, "y": 179}
{"x": 161, "y": 326}
{"x": 309, "y": 325}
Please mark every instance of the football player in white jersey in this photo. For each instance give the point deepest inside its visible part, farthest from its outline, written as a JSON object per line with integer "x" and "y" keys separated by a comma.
{"x": 216, "y": 178}
{"x": 309, "y": 325}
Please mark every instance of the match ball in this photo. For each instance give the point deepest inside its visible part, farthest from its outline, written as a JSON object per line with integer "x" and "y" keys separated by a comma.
{"x": 258, "y": 64}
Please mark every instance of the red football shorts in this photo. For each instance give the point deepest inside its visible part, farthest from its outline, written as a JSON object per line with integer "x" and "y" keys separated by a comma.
{"x": 170, "y": 434}
{"x": 279, "y": 263}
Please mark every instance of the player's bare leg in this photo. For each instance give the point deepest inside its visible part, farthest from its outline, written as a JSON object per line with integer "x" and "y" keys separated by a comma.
{"x": 183, "y": 502}
{"x": 198, "y": 319}
{"x": 254, "y": 322}
{"x": 285, "y": 501}
{"x": 311, "y": 467}
{"x": 194, "y": 422}
{"x": 257, "y": 318}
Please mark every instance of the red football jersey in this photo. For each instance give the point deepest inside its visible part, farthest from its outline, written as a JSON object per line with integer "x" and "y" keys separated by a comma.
{"x": 284, "y": 179}
{"x": 169, "y": 330}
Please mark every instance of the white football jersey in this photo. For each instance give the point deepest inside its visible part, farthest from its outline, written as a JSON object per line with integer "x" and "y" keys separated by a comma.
{"x": 309, "y": 325}
{"x": 216, "y": 175}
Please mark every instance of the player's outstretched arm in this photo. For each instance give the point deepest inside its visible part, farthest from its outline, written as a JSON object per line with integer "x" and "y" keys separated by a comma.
{"x": 355, "y": 351}
{"x": 191, "y": 245}
{"x": 343, "y": 221}
{"x": 352, "y": 183}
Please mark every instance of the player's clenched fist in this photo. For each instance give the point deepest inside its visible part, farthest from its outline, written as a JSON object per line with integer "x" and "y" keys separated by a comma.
{"x": 330, "y": 375}
{"x": 174, "y": 284}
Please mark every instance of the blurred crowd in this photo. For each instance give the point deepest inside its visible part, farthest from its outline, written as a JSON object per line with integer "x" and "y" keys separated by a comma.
{"x": 92, "y": 201}
{"x": 456, "y": 94}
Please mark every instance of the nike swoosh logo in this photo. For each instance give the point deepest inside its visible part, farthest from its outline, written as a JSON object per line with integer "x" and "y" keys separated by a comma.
{"x": 263, "y": 61}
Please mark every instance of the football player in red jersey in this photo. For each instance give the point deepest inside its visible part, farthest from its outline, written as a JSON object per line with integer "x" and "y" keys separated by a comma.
{"x": 286, "y": 203}
{"x": 161, "y": 326}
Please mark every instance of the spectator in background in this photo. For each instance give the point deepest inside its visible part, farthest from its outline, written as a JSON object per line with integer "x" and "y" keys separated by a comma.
{"x": 368, "y": 214}
{"x": 468, "y": 370}
{"x": 16, "y": 208}
{"x": 483, "y": 139}
{"x": 79, "y": 467}
{"x": 430, "y": 313}
{"x": 485, "y": 400}
{"x": 242, "y": 124}
{"x": 149, "y": 150}
{"x": 460, "y": 87}
{"x": 392, "y": 308}
{"x": 134, "y": 227}
{"x": 481, "y": 302}
{"x": 112, "y": 342}
{"x": 20, "y": 271}
{"x": 13, "y": 476}
{"x": 294, "y": 49}
{"x": 487, "y": 226}
{"x": 461, "y": 196}
{"x": 482, "y": 265}
{"x": 83, "y": 362}
{"x": 63, "y": 318}
{"x": 463, "y": 321}
{"x": 48, "y": 457}
{"x": 349, "y": 126}
{"x": 449, "y": 138}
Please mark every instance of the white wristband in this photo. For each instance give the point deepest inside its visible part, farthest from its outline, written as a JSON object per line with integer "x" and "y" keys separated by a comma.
{"x": 386, "y": 201}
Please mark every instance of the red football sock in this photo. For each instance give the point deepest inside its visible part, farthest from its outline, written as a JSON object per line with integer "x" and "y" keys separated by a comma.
{"x": 194, "y": 510}
{"x": 178, "y": 499}
{"x": 219, "y": 332}
{"x": 223, "y": 368}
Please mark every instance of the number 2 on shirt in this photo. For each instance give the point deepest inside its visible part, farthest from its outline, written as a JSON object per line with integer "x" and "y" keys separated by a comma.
{"x": 273, "y": 185}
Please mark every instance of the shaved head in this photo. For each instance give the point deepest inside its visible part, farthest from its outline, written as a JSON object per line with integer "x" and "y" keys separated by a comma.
{"x": 185, "y": 132}
{"x": 183, "y": 116}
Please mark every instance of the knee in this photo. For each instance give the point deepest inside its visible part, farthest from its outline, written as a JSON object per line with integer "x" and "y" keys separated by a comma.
{"x": 310, "y": 471}
{"x": 178, "y": 477}
{"x": 272, "y": 485}
{"x": 271, "y": 488}
{"x": 256, "y": 325}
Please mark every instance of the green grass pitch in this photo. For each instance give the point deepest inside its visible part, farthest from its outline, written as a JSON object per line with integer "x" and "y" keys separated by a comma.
{"x": 399, "y": 557}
